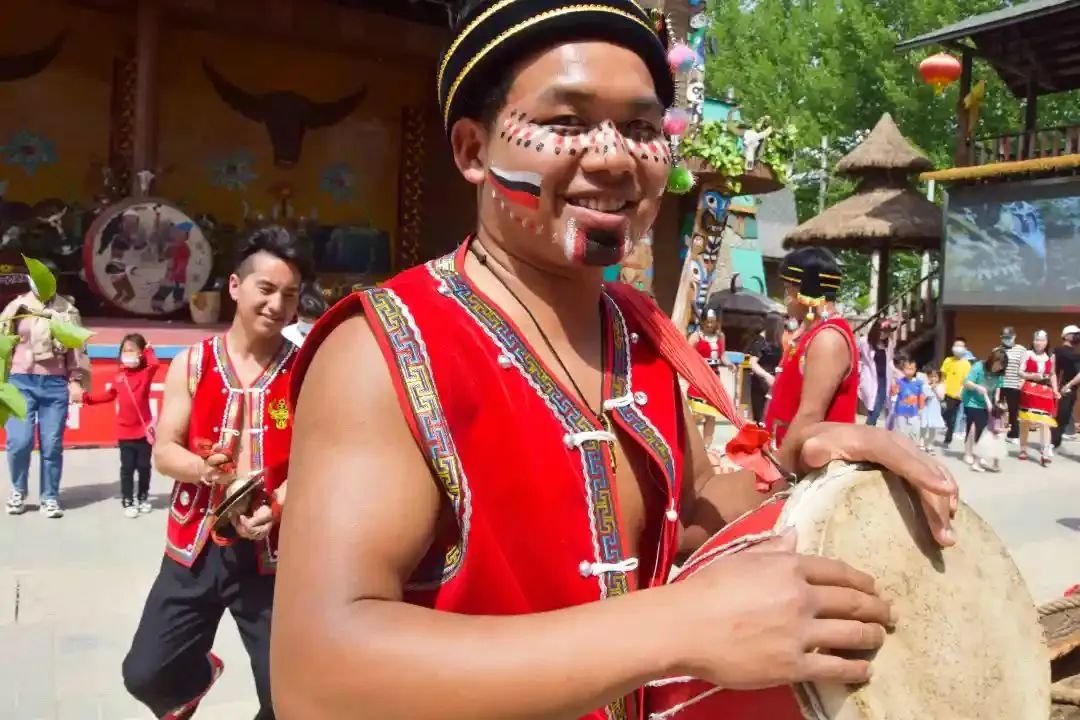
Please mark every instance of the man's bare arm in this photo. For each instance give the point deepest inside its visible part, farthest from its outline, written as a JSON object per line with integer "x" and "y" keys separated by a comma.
{"x": 171, "y": 455}
{"x": 710, "y": 499}
{"x": 828, "y": 361}
{"x": 362, "y": 510}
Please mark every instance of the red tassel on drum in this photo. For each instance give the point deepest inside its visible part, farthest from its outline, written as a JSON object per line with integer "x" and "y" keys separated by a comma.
{"x": 748, "y": 446}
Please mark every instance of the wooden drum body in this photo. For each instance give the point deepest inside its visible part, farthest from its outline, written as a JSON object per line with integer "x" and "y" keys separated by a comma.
{"x": 968, "y": 644}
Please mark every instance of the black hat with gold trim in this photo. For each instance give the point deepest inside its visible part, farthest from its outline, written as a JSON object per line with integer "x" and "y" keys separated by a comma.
{"x": 816, "y": 272}
{"x": 495, "y": 34}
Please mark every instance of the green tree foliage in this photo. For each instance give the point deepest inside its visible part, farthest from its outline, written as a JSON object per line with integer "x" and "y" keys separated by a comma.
{"x": 829, "y": 68}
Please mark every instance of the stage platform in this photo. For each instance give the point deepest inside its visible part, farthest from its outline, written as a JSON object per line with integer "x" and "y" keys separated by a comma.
{"x": 167, "y": 336}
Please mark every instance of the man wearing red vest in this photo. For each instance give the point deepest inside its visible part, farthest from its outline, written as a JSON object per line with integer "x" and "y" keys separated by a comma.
{"x": 494, "y": 467}
{"x": 818, "y": 376}
{"x": 226, "y": 415}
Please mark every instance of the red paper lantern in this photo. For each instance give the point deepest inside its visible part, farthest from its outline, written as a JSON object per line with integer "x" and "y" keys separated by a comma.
{"x": 940, "y": 70}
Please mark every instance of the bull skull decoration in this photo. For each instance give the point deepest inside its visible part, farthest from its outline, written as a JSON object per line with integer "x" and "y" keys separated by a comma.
{"x": 286, "y": 115}
{"x": 20, "y": 67}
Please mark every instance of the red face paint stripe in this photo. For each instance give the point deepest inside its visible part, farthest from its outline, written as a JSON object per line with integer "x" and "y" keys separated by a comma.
{"x": 521, "y": 189}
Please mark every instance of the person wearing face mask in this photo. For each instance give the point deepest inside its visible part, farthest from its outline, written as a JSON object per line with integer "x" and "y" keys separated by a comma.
{"x": 311, "y": 308}
{"x": 877, "y": 369}
{"x": 1010, "y": 389}
{"x": 134, "y": 422}
{"x": 51, "y": 378}
{"x": 954, "y": 371}
{"x": 1038, "y": 396}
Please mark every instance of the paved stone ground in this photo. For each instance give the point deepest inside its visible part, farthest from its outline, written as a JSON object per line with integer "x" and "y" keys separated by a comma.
{"x": 71, "y": 590}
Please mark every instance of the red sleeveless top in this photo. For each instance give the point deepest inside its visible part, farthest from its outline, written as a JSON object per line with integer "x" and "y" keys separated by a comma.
{"x": 515, "y": 452}
{"x": 218, "y": 406}
{"x": 787, "y": 390}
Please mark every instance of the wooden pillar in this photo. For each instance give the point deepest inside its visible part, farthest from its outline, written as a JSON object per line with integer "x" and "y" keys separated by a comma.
{"x": 883, "y": 279}
{"x": 875, "y": 282}
{"x": 962, "y": 156}
{"x": 1031, "y": 118}
{"x": 147, "y": 55}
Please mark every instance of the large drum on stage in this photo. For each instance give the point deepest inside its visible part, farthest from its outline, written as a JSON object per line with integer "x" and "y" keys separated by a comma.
{"x": 146, "y": 256}
{"x": 968, "y": 643}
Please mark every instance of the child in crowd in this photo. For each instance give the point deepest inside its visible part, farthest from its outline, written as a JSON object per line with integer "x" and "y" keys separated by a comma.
{"x": 311, "y": 308}
{"x": 932, "y": 420}
{"x": 134, "y": 428}
{"x": 907, "y": 397}
{"x": 990, "y": 449}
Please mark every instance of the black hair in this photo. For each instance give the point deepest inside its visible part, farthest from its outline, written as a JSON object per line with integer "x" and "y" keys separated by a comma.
{"x": 813, "y": 262}
{"x": 312, "y": 304}
{"x": 277, "y": 241}
{"x": 136, "y": 339}
{"x": 902, "y": 360}
{"x": 960, "y": 338}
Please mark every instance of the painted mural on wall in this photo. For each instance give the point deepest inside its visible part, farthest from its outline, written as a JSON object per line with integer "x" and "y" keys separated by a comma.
{"x": 147, "y": 257}
{"x": 259, "y": 116}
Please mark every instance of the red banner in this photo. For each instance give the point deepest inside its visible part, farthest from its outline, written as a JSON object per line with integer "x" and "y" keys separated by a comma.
{"x": 95, "y": 425}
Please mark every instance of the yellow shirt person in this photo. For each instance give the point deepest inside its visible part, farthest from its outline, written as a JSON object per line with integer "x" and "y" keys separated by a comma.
{"x": 955, "y": 370}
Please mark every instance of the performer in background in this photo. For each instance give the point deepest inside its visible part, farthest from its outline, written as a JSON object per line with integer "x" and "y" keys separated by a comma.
{"x": 1038, "y": 396}
{"x": 819, "y": 375}
{"x": 708, "y": 342}
{"x": 225, "y": 415}
{"x": 490, "y": 443}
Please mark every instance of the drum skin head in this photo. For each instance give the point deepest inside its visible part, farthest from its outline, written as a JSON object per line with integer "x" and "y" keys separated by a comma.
{"x": 968, "y": 643}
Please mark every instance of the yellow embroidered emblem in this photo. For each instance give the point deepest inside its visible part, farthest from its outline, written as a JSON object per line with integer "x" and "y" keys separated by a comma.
{"x": 279, "y": 413}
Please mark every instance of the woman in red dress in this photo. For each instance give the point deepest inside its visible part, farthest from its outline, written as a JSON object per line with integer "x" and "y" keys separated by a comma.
{"x": 708, "y": 340}
{"x": 1038, "y": 396}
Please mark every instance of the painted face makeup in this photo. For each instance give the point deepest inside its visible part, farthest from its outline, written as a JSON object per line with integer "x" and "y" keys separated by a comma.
{"x": 595, "y": 247}
{"x": 604, "y": 139}
{"x": 518, "y": 195}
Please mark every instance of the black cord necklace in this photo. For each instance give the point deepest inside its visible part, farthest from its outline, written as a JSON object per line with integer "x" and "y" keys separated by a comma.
{"x": 483, "y": 258}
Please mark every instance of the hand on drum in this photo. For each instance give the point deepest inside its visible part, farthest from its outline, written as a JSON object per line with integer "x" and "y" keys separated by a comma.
{"x": 822, "y": 443}
{"x": 771, "y": 610}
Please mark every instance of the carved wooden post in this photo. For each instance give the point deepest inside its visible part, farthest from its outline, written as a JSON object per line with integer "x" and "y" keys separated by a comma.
{"x": 147, "y": 54}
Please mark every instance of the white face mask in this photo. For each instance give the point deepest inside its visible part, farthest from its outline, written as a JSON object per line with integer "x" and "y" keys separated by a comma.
{"x": 959, "y": 350}
{"x": 130, "y": 360}
{"x": 304, "y": 327}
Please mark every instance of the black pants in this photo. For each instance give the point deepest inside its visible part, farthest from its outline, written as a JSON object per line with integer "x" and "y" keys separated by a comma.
{"x": 134, "y": 455}
{"x": 167, "y": 665}
{"x": 976, "y": 418}
{"x": 1064, "y": 416}
{"x": 952, "y": 406}
{"x": 758, "y": 391}
{"x": 1012, "y": 399}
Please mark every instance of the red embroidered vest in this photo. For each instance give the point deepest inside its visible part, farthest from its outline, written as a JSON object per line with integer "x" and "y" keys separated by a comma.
{"x": 787, "y": 390}
{"x": 218, "y": 406}
{"x": 538, "y": 524}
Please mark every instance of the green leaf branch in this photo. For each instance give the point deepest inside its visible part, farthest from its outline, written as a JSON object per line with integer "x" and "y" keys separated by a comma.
{"x": 716, "y": 144}
{"x": 69, "y": 335}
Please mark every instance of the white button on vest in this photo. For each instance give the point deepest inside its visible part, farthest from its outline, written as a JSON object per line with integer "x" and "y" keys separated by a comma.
{"x": 641, "y": 398}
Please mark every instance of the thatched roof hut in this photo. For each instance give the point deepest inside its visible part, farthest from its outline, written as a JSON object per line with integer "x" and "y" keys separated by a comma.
{"x": 886, "y": 211}
{"x": 884, "y": 149}
{"x": 884, "y": 217}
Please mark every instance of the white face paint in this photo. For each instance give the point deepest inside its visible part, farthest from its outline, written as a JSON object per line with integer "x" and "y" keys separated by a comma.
{"x": 570, "y": 240}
